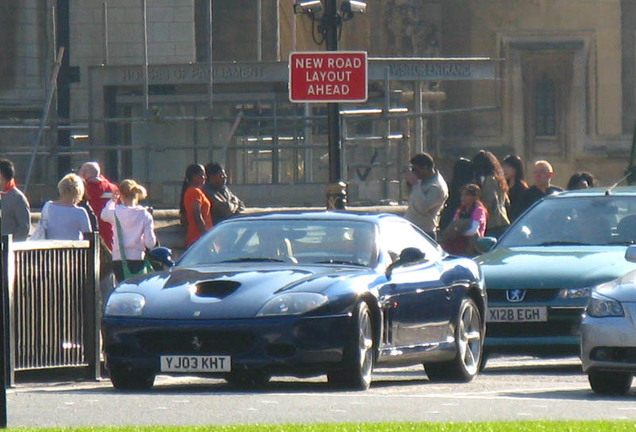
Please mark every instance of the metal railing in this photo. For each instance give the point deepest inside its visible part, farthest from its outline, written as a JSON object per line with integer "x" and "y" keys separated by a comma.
{"x": 52, "y": 307}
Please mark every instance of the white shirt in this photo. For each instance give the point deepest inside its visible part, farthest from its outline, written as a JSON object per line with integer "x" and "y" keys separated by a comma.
{"x": 137, "y": 226}
{"x": 426, "y": 201}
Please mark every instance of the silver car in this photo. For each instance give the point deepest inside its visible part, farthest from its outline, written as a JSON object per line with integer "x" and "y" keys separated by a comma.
{"x": 608, "y": 334}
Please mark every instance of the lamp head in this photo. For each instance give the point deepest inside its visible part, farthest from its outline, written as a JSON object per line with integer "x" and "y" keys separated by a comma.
{"x": 350, "y": 7}
{"x": 307, "y": 7}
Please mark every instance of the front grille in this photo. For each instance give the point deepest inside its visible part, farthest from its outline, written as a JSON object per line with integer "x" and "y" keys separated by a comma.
{"x": 531, "y": 329}
{"x": 199, "y": 342}
{"x": 564, "y": 322}
{"x": 532, "y": 295}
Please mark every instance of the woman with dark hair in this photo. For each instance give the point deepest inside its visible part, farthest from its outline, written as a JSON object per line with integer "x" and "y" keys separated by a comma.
{"x": 195, "y": 208}
{"x": 581, "y": 180}
{"x": 469, "y": 222}
{"x": 514, "y": 172}
{"x": 462, "y": 175}
{"x": 490, "y": 178}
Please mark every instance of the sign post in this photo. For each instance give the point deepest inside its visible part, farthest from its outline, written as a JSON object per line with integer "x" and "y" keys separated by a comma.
{"x": 331, "y": 77}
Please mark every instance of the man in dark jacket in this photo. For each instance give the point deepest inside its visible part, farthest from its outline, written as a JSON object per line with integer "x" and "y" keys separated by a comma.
{"x": 542, "y": 174}
{"x": 224, "y": 203}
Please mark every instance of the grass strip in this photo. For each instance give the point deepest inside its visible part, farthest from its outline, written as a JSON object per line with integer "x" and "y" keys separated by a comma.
{"x": 529, "y": 426}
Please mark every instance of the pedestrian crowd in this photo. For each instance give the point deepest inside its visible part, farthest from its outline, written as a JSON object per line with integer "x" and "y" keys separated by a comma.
{"x": 89, "y": 202}
{"x": 484, "y": 197}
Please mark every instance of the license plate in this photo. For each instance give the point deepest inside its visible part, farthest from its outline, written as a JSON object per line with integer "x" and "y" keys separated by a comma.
{"x": 518, "y": 314}
{"x": 196, "y": 363}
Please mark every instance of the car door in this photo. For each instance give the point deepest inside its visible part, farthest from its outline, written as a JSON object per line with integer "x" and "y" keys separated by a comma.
{"x": 416, "y": 303}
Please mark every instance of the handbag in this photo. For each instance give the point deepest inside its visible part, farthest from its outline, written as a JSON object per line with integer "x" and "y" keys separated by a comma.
{"x": 40, "y": 229}
{"x": 145, "y": 269}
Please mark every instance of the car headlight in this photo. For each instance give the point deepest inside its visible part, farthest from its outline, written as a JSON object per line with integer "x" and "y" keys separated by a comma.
{"x": 125, "y": 304}
{"x": 292, "y": 304}
{"x": 600, "y": 306}
{"x": 574, "y": 293}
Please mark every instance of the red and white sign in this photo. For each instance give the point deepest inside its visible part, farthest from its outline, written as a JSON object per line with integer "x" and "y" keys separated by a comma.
{"x": 328, "y": 76}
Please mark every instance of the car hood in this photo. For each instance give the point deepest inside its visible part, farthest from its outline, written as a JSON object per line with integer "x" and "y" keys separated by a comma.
{"x": 222, "y": 291}
{"x": 623, "y": 289}
{"x": 553, "y": 266}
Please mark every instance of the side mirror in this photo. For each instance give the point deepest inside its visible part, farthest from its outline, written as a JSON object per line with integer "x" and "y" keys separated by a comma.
{"x": 411, "y": 254}
{"x": 161, "y": 255}
{"x": 408, "y": 255}
{"x": 484, "y": 244}
{"x": 630, "y": 253}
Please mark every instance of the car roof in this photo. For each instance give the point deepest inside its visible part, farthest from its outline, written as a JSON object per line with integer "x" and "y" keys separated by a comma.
{"x": 606, "y": 191}
{"x": 342, "y": 215}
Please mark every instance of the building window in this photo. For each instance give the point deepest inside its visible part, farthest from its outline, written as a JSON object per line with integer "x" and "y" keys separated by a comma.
{"x": 201, "y": 29}
{"x": 545, "y": 107}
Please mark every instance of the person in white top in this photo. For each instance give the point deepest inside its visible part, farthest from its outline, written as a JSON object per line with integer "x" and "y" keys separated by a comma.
{"x": 63, "y": 219}
{"x": 428, "y": 194}
{"x": 137, "y": 227}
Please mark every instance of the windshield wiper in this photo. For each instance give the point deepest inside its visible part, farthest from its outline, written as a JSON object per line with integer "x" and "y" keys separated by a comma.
{"x": 253, "y": 259}
{"x": 563, "y": 243}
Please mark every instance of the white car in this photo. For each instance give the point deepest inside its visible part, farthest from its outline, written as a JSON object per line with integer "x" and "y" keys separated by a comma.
{"x": 608, "y": 334}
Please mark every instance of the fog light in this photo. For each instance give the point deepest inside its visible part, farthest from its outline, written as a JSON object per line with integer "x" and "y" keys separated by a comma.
{"x": 600, "y": 354}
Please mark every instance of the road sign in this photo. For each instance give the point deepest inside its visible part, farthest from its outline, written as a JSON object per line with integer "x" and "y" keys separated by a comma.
{"x": 328, "y": 76}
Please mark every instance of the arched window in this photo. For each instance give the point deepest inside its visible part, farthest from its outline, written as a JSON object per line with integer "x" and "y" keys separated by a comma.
{"x": 545, "y": 107}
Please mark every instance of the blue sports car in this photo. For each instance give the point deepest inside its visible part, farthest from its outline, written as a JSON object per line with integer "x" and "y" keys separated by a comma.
{"x": 300, "y": 294}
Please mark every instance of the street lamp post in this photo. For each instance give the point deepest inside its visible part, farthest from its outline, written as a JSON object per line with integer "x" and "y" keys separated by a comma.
{"x": 337, "y": 190}
{"x": 328, "y": 26}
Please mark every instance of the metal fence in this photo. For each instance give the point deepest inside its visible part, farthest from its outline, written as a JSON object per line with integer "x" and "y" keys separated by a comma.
{"x": 52, "y": 306}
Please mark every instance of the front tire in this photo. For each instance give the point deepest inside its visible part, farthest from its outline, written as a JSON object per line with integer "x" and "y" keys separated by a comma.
{"x": 132, "y": 379}
{"x": 485, "y": 355}
{"x": 469, "y": 344}
{"x": 358, "y": 353}
{"x": 610, "y": 383}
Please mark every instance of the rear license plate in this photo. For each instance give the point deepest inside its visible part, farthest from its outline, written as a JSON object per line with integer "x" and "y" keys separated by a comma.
{"x": 518, "y": 314}
{"x": 197, "y": 363}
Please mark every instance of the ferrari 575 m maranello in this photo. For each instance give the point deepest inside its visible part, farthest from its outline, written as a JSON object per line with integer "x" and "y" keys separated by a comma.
{"x": 300, "y": 294}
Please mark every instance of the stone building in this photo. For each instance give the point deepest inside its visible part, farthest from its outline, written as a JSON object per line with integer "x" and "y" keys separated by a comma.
{"x": 146, "y": 88}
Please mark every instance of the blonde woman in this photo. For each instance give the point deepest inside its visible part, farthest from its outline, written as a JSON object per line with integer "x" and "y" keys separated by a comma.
{"x": 137, "y": 230}
{"x": 63, "y": 219}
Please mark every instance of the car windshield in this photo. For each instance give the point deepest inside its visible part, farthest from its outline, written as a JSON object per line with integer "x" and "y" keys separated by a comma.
{"x": 577, "y": 220}
{"x": 284, "y": 240}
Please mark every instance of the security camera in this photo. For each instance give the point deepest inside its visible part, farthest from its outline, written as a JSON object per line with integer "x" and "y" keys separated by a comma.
{"x": 308, "y": 7}
{"x": 352, "y": 6}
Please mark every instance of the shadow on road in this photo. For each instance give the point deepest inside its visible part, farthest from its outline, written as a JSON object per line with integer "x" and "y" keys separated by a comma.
{"x": 534, "y": 369}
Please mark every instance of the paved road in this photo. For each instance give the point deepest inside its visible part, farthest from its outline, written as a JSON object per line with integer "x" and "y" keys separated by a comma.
{"x": 509, "y": 389}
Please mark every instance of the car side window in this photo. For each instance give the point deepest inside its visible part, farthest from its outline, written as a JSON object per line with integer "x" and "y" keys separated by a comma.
{"x": 398, "y": 235}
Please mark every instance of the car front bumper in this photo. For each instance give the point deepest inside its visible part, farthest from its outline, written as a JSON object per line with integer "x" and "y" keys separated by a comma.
{"x": 609, "y": 343}
{"x": 293, "y": 345}
{"x": 558, "y": 335}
